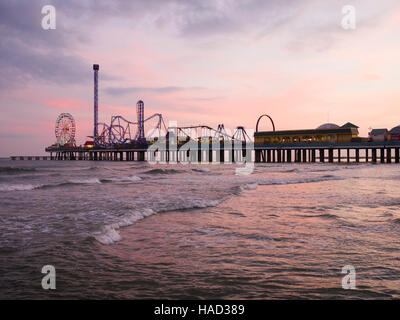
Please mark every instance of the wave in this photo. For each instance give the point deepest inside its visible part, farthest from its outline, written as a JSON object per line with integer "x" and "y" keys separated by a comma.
{"x": 162, "y": 171}
{"x": 291, "y": 170}
{"x": 26, "y": 187}
{"x": 323, "y": 216}
{"x": 18, "y": 187}
{"x": 84, "y": 181}
{"x": 121, "y": 179}
{"x": 249, "y": 186}
{"x": 396, "y": 221}
{"x": 94, "y": 181}
{"x": 201, "y": 169}
{"x": 339, "y": 167}
{"x": 267, "y": 182}
{"x": 109, "y": 234}
{"x": 328, "y": 176}
{"x": 387, "y": 214}
{"x": 15, "y": 170}
{"x": 325, "y": 169}
{"x": 93, "y": 168}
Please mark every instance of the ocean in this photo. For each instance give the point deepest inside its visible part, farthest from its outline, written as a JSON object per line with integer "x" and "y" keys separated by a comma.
{"x": 133, "y": 230}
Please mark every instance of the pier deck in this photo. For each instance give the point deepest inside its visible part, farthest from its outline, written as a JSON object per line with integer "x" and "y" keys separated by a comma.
{"x": 374, "y": 152}
{"x": 382, "y": 152}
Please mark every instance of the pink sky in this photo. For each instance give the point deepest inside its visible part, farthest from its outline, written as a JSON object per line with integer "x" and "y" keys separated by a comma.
{"x": 208, "y": 63}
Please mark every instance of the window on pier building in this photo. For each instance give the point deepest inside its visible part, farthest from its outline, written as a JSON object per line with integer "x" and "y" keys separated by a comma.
{"x": 306, "y": 139}
{"x": 267, "y": 140}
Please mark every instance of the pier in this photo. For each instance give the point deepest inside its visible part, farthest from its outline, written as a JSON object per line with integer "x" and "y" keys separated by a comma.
{"x": 192, "y": 152}
{"x": 125, "y": 140}
{"x": 29, "y": 158}
{"x": 373, "y": 152}
{"x": 369, "y": 152}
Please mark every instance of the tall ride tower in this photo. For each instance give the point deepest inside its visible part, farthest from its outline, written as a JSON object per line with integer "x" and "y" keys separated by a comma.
{"x": 140, "y": 120}
{"x": 96, "y": 106}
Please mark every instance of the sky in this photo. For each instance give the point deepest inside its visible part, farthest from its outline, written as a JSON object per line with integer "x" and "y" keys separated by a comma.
{"x": 196, "y": 62}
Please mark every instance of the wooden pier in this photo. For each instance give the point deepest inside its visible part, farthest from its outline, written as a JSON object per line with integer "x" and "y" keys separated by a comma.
{"x": 29, "y": 158}
{"x": 212, "y": 153}
{"x": 373, "y": 152}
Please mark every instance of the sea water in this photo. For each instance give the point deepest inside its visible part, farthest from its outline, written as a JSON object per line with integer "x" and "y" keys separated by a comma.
{"x": 133, "y": 230}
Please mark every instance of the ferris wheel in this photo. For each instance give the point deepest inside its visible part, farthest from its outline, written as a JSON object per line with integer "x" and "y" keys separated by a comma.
{"x": 65, "y": 129}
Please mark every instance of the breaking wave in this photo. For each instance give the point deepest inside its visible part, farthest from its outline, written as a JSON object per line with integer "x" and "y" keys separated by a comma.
{"x": 109, "y": 234}
{"x": 85, "y": 181}
{"x": 323, "y": 216}
{"x": 201, "y": 169}
{"x": 18, "y": 187}
{"x": 266, "y": 182}
{"x": 27, "y": 187}
{"x": 121, "y": 179}
{"x": 291, "y": 170}
{"x": 162, "y": 171}
{"x": 15, "y": 170}
{"x": 249, "y": 186}
{"x": 396, "y": 221}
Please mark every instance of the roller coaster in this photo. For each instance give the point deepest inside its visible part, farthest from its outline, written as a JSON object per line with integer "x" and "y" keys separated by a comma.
{"x": 122, "y": 131}
{"x": 200, "y": 133}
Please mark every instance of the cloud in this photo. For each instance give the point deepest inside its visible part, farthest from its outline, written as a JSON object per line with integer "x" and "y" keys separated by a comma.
{"x": 209, "y": 18}
{"x": 115, "y": 91}
{"x": 66, "y": 104}
{"x": 202, "y": 99}
{"x": 30, "y": 54}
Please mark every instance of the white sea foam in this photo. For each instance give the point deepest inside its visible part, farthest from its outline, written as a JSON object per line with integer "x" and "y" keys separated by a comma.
{"x": 249, "y": 186}
{"x": 18, "y": 187}
{"x": 26, "y": 187}
{"x": 110, "y": 234}
{"x": 122, "y": 179}
{"x": 85, "y": 181}
{"x": 193, "y": 204}
{"x": 266, "y": 182}
{"x": 200, "y": 169}
{"x": 133, "y": 178}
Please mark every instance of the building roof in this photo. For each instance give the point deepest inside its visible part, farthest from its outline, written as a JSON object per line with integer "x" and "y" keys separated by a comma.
{"x": 307, "y": 131}
{"x": 378, "y": 131}
{"x": 349, "y": 125}
{"x": 328, "y": 126}
{"x": 395, "y": 130}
